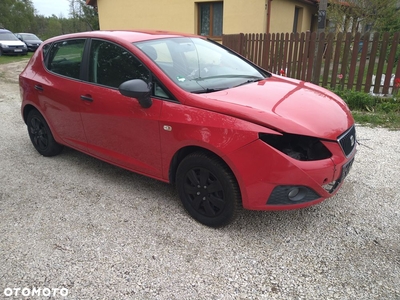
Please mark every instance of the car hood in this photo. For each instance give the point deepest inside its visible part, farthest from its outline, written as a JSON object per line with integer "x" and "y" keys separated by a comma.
{"x": 33, "y": 41}
{"x": 283, "y": 104}
{"x": 12, "y": 43}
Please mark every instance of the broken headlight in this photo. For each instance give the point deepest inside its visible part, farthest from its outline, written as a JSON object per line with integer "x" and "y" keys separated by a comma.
{"x": 299, "y": 147}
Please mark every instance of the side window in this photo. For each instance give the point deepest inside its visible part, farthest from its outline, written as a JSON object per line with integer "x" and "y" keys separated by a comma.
{"x": 160, "y": 92}
{"x": 111, "y": 65}
{"x": 65, "y": 57}
{"x": 45, "y": 49}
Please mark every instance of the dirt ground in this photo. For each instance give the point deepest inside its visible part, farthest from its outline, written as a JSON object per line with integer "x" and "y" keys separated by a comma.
{"x": 9, "y": 72}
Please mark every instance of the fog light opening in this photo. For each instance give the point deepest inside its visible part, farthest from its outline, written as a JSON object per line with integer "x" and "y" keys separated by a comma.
{"x": 297, "y": 193}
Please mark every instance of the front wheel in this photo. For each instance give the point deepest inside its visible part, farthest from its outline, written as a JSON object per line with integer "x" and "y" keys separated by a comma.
{"x": 208, "y": 189}
{"x": 41, "y": 136}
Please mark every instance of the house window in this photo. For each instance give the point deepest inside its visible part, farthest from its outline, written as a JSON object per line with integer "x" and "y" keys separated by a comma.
{"x": 298, "y": 14}
{"x": 210, "y": 19}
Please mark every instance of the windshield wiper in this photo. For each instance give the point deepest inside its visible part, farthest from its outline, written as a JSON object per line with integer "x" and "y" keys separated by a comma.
{"x": 207, "y": 90}
{"x": 229, "y": 76}
{"x": 250, "y": 81}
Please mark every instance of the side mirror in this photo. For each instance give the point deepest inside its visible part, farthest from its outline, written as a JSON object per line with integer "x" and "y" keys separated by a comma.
{"x": 137, "y": 88}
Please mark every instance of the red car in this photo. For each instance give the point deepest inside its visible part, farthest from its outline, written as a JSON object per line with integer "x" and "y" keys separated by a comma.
{"x": 185, "y": 110}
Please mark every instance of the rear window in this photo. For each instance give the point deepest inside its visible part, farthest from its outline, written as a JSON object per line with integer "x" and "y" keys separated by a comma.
{"x": 65, "y": 57}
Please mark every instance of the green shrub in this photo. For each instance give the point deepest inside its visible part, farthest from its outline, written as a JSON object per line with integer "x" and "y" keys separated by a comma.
{"x": 366, "y": 102}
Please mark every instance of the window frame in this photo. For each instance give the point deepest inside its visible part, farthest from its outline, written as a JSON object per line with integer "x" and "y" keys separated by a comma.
{"x": 297, "y": 19}
{"x": 211, "y": 18}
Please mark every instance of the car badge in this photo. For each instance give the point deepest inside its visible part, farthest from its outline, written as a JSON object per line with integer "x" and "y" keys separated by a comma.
{"x": 352, "y": 140}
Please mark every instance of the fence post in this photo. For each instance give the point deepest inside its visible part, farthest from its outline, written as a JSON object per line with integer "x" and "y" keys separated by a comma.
{"x": 314, "y": 69}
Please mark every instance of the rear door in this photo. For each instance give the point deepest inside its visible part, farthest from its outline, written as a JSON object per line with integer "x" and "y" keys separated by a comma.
{"x": 58, "y": 90}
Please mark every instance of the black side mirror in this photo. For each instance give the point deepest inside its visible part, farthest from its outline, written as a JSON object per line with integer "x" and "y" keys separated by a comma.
{"x": 137, "y": 88}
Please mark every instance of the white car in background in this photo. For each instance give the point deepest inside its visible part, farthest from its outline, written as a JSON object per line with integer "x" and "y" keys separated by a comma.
{"x": 10, "y": 44}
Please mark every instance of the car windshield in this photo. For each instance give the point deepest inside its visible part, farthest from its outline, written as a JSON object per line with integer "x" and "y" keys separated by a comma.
{"x": 29, "y": 36}
{"x": 198, "y": 65}
{"x": 8, "y": 36}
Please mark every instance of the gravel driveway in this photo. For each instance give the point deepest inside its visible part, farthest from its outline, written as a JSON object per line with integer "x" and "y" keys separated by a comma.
{"x": 75, "y": 223}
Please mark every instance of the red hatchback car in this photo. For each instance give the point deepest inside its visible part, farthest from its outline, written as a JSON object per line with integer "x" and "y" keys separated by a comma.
{"x": 185, "y": 110}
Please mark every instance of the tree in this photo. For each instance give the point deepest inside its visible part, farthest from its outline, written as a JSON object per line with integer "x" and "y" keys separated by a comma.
{"x": 17, "y": 15}
{"x": 364, "y": 15}
{"x": 85, "y": 17}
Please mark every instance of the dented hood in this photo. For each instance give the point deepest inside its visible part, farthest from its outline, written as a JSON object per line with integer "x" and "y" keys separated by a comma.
{"x": 282, "y": 104}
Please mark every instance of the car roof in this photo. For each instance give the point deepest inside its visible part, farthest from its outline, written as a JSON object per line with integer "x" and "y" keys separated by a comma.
{"x": 126, "y": 35}
{"x": 4, "y": 30}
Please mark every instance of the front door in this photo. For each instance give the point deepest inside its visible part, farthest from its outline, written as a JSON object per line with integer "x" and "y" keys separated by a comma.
{"x": 118, "y": 129}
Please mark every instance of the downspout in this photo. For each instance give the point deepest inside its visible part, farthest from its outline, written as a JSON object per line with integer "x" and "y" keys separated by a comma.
{"x": 268, "y": 15}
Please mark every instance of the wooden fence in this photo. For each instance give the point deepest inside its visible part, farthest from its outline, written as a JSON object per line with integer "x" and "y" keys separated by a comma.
{"x": 368, "y": 63}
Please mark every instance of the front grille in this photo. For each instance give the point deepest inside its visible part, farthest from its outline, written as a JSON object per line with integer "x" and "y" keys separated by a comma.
{"x": 348, "y": 140}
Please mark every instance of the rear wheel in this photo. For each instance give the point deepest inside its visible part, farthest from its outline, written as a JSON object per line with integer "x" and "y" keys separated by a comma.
{"x": 41, "y": 136}
{"x": 208, "y": 189}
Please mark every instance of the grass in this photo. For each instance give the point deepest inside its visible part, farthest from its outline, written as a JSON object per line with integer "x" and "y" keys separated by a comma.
{"x": 388, "y": 120}
{"x": 372, "y": 110}
{"x": 6, "y": 59}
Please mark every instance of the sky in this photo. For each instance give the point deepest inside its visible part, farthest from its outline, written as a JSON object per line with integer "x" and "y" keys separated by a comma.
{"x": 52, "y": 7}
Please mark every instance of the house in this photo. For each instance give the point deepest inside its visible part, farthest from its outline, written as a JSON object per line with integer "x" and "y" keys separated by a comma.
{"x": 209, "y": 18}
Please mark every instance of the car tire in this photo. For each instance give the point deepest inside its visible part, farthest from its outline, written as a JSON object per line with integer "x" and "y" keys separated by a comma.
{"x": 208, "y": 189}
{"x": 41, "y": 136}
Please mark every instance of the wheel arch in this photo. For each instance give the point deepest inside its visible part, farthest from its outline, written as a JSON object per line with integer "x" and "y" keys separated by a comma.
{"x": 27, "y": 109}
{"x": 25, "y": 112}
{"x": 185, "y": 151}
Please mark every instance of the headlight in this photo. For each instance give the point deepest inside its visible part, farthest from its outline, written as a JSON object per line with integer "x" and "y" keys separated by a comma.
{"x": 3, "y": 46}
{"x": 299, "y": 147}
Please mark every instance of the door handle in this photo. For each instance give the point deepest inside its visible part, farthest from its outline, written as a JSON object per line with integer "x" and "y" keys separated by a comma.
{"x": 39, "y": 87}
{"x": 86, "y": 98}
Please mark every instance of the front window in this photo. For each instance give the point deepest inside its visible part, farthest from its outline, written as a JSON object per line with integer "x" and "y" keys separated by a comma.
{"x": 198, "y": 65}
{"x": 210, "y": 19}
{"x": 8, "y": 36}
{"x": 110, "y": 65}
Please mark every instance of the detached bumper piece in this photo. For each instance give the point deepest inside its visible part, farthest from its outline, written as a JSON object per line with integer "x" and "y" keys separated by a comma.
{"x": 291, "y": 194}
{"x": 331, "y": 187}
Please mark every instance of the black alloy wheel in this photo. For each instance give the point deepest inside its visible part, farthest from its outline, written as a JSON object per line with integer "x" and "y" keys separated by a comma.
{"x": 208, "y": 189}
{"x": 41, "y": 136}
